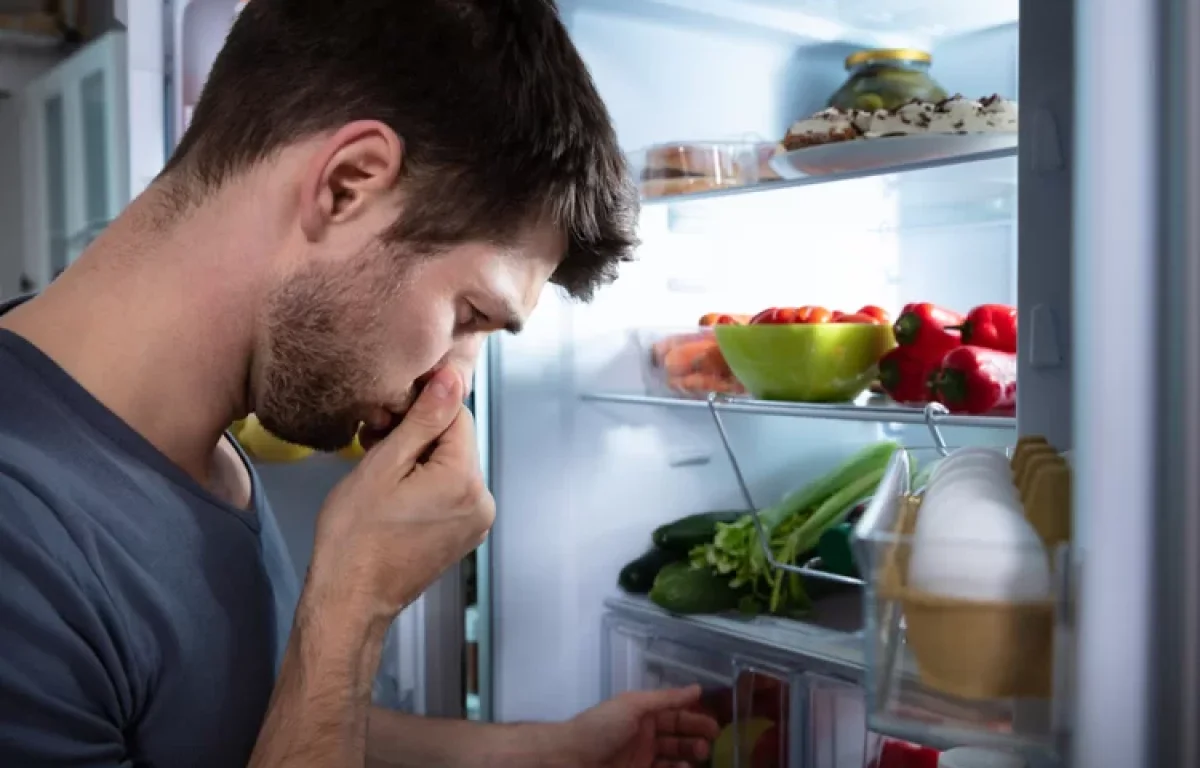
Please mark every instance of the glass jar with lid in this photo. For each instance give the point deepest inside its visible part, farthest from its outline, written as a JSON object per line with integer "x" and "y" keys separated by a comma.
{"x": 886, "y": 78}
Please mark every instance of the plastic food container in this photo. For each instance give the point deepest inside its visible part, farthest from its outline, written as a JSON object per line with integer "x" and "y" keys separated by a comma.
{"x": 886, "y": 78}
{"x": 684, "y": 363}
{"x": 751, "y": 701}
{"x": 665, "y": 170}
{"x": 972, "y": 757}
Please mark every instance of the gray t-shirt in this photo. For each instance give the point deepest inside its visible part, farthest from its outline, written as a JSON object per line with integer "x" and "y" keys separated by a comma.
{"x": 142, "y": 619}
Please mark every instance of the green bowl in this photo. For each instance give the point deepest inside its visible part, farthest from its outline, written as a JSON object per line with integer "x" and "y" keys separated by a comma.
{"x": 826, "y": 363}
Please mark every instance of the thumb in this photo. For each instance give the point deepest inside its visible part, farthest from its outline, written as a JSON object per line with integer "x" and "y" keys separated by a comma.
{"x": 647, "y": 702}
{"x": 428, "y": 419}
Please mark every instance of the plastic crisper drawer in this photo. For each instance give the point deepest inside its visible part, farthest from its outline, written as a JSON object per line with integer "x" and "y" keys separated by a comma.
{"x": 837, "y": 723}
{"x": 751, "y": 701}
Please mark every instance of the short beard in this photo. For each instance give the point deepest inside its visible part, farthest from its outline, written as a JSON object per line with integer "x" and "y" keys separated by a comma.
{"x": 318, "y": 362}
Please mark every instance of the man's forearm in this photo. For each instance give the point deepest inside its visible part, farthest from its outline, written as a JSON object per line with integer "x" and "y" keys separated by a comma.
{"x": 319, "y": 709}
{"x": 397, "y": 740}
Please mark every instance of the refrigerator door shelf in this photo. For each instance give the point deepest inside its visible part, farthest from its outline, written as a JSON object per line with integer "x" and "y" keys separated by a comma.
{"x": 948, "y": 671}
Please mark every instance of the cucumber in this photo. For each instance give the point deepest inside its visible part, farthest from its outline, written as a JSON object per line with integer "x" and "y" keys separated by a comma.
{"x": 687, "y": 533}
{"x": 834, "y": 549}
{"x": 637, "y": 577}
{"x": 680, "y": 588}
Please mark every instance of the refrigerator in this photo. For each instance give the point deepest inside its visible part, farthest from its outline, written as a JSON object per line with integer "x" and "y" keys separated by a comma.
{"x": 1086, "y": 224}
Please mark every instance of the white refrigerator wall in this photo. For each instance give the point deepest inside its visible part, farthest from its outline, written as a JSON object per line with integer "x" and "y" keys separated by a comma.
{"x": 580, "y": 485}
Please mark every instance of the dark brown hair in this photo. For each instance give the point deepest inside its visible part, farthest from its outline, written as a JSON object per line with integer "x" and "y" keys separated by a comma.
{"x": 501, "y": 122}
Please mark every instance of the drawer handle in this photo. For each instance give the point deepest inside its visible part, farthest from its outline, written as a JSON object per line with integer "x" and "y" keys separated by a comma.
{"x": 700, "y": 673}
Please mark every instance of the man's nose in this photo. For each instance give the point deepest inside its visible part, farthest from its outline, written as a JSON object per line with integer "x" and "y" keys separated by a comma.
{"x": 464, "y": 357}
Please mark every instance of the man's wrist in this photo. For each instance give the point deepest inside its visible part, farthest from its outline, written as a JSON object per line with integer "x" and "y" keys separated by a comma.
{"x": 535, "y": 745}
{"x": 399, "y": 740}
{"x": 333, "y": 601}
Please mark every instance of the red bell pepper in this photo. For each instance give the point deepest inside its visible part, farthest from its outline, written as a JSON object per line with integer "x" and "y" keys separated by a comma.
{"x": 991, "y": 325}
{"x": 924, "y": 327}
{"x": 977, "y": 380}
{"x": 905, "y": 376}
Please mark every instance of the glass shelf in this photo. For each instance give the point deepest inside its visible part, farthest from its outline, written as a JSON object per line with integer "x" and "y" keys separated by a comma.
{"x": 897, "y": 23}
{"x": 842, "y": 176}
{"x": 866, "y": 408}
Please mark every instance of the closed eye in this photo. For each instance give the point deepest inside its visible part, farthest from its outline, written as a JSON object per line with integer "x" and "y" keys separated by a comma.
{"x": 473, "y": 318}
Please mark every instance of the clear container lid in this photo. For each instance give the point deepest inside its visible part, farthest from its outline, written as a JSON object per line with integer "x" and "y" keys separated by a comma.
{"x": 719, "y": 163}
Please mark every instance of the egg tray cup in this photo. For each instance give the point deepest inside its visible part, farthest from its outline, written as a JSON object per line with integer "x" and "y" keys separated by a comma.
{"x": 971, "y": 649}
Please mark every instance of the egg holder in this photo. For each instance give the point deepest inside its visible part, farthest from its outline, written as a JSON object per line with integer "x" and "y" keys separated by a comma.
{"x": 971, "y": 649}
{"x": 974, "y": 650}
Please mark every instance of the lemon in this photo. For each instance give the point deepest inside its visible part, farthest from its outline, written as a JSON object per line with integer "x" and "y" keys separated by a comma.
{"x": 354, "y": 451}
{"x": 236, "y": 428}
{"x": 746, "y": 733}
{"x": 261, "y": 444}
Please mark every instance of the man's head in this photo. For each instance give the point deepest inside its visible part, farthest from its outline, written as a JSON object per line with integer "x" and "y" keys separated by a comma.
{"x": 441, "y": 159}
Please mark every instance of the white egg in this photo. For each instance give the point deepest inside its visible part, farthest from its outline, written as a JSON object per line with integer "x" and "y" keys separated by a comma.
{"x": 971, "y": 456}
{"x": 979, "y": 480}
{"x": 983, "y": 551}
{"x": 975, "y": 466}
{"x": 1002, "y": 477}
{"x": 945, "y": 504}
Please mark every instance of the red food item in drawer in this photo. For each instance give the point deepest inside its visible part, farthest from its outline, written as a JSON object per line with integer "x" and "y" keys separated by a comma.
{"x": 901, "y": 754}
{"x": 771, "y": 749}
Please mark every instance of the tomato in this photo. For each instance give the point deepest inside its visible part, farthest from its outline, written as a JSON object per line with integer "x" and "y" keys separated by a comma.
{"x": 818, "y": 315}
{"x": 777, "y": 316}
{"x": 717, "y": 318}
{"x": 878, "y": 313}
{"x": 858, "y": 319}
{"x": 765, "y": 317}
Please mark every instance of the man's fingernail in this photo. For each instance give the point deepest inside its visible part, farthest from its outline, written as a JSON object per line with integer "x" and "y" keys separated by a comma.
{"x": 439, "y": 387}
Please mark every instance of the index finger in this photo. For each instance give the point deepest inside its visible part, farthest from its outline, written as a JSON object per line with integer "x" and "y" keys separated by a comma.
{"x": 426, "y": 422}
{"x": 457, "y": 445}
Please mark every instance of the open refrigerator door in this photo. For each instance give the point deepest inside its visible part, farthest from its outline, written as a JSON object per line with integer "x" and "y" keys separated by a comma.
{"x": 633, "y": 436}
{"x": 1137, "y": 692}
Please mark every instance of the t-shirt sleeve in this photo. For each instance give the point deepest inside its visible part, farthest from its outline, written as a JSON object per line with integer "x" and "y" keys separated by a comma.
{"x": 64, "y": 700}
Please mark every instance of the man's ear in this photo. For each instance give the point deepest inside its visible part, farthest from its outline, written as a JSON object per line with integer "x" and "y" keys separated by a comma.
{"x": 354, "y": 168}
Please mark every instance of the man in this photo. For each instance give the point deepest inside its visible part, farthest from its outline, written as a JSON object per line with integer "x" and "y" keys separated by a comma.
{"x": 366, "y": 191}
